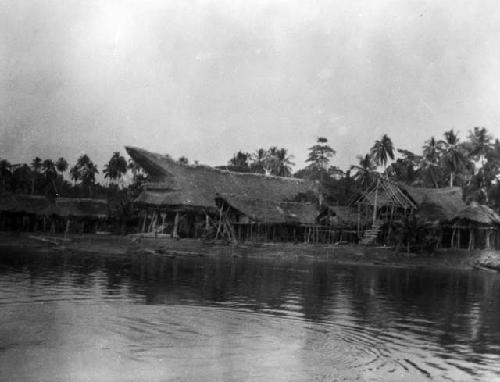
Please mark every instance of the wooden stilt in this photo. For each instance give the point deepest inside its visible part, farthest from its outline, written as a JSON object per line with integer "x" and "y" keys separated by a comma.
{"x": 175, "y": 234}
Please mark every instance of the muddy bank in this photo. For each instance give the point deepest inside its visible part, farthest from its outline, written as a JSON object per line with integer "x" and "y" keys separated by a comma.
{"x": 348, "y": 255}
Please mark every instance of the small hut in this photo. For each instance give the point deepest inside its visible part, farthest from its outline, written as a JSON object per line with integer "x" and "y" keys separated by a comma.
{"x": 476, "y": 226}
{"x": 86, "y": 215}
{"x": 23, "y": 212}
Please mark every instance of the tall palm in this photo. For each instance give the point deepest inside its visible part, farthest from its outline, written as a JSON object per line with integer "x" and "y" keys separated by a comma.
{"x": 36, "y": 166}
{"x": 430, "y": 165}
{"x": 382, "y": 151}
{"x": 5, "y": 172}
{"x": 74, "y": 173}
{"x": 258, "y": 161}
{"x": 454, "y": 157}
{"x": 284, "y": 163}
{"x": 61, "y": 165}
{"x": 480, "y": 143}
{"x": 50, "y": 172}
{"x": 116, "y": 167}
{"x": 364, "y": 170}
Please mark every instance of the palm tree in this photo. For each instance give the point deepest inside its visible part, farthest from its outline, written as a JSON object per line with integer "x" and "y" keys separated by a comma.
{"x": 430, "y": 165}
{"x": 453, "y": 155}
{"x": 382, "y": 150}
{"x": 284, "y": 163}
{"x": 74, "y": 173}
{"x": 364, "y": 170}
{"x": 5, "y": 172}
{"x": 61, "y": 165}
{"x": 36, "y": 166}
{"x": 116, "y": 167}
{"x": 480, "y": 143}
{"x": 49, "y": 170}
{"x": 258, "y": 161}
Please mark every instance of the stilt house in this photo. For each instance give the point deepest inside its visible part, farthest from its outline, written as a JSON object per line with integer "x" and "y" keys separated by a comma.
{"x": 197, "y": 200}
{"x": 387, "y": 201}
{"x": 476, "y": 226}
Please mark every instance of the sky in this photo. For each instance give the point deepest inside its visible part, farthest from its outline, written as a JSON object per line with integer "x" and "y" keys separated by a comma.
{"x": 205, "y": 78}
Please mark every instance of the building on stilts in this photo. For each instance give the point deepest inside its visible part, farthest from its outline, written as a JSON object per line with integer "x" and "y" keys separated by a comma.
{"x": 199, "y": 201}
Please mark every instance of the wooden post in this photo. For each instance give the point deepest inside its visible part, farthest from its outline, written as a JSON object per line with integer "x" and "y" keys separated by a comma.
{"x": 471, "y": 239}
{"x": 375, "y": 202}
{"x": 487, "y": 244}
{"x": 176, "y": 224}
{"x": 67, "y": 227}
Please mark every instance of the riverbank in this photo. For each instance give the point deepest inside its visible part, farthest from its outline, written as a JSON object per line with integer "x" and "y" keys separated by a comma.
{"x": 347, "y": 255}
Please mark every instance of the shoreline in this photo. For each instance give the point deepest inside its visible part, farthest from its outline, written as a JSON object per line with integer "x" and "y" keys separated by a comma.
{"x": 125, "y": 246}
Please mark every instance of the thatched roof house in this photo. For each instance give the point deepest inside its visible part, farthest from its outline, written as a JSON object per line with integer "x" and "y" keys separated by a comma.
{"x": 182, "y": 186}
{"x": 433, "y": 204}
{"x": 81, "y": 208}
{"x": 25, "y": 204}
{"x": 478, "y": 214}
{"x": 271, "y": 212}
{"x": 436, "y": 204}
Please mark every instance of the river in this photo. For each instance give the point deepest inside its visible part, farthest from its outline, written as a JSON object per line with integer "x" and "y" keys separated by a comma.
{"x": 74, "y": 317}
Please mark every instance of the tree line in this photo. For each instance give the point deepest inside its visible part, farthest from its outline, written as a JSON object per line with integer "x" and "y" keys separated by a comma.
{"x": 472, "y": 163}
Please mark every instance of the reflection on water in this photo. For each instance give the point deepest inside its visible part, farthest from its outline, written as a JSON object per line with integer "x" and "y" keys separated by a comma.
{"x": 89, "y": 318}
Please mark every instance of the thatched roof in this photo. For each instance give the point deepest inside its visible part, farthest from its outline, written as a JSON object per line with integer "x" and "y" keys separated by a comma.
{"x": 269, "y": 211}
{"x": 478, "y": 214}
{"x": 28, "y": 204}
{"x": 436, "y": 203}
{"x": 174, "y": 184}
{"x": 81, "y": 207}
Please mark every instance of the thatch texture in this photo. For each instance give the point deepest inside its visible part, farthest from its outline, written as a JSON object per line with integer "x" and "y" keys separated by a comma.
{"x": 272, "y": 212}
{"x": 175, "y": 184}
{"x": 436, "y": 204}
{"x": 27, "y": 204}
{"x": 81, "y": 207}
{"x": 480, "y": 214}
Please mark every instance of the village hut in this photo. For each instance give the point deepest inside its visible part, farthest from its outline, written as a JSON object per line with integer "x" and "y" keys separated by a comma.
{"x": 475, "y": 226}
{"x": 242, "y": 218}
{"x": 23, "y": 212}
{"x": 387, "y": 201}
{"x": 82, "y": 215}
{"x": 187, "y": 199}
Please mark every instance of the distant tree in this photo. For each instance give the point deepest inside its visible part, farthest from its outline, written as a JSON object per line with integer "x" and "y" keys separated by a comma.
{"x": 22, "y": 179}
{"x": 5, "y": 173}
{"x": 431, "y": 170}
{"x": 283, "y": 163}
{"x": 183, "y": 160}
{"x": 364, "y": 171}
{"x": 454, "y": 157}
{"x": 240, "y": 159}
{"x": 61, "y": 165}
{"x": 320, "y": 154}
{"x": 479, "y": 143}
{"x": 85, "y": 170}
{"x": 74, "y": 173}
{"x": 50, "y": 173}
{"x": 116, "y": 167}
{"x": 382, "y": 151}
{"x": 258, "y": 160}
{"x": 36, "y": 166}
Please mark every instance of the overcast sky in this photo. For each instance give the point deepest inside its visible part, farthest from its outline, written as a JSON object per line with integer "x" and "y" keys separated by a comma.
{"x": 207, "y": 78}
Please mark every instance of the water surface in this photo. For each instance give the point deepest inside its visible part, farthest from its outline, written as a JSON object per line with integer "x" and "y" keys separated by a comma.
{"x": 80, "y": 317}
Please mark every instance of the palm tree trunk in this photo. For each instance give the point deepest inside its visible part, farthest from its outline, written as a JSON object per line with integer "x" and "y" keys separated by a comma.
{"x": 451, "y": 179}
